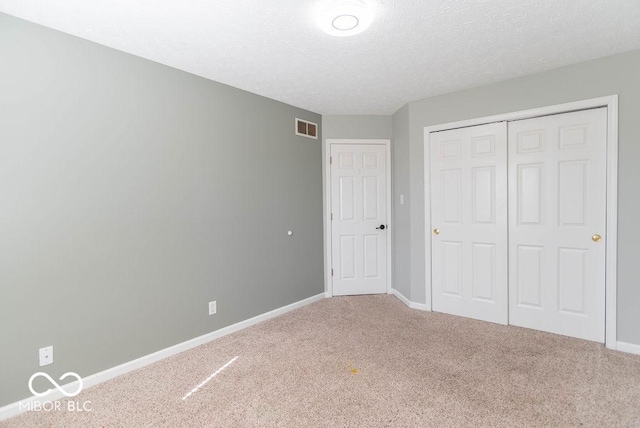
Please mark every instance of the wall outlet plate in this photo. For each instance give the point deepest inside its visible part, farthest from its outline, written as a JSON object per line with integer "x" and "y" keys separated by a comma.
{"x": 213, "y": 308}
{"x": 46, "y": 356}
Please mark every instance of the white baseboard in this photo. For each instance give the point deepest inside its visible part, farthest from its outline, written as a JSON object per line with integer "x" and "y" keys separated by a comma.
{"x": 420, "y": 306}
{"x": 401, "y": 297}
{"x": 409, "y": 303}
{"x": 21, "y": 406}
{"x": 620, "y": 346}
{"x": 628, "y": 347}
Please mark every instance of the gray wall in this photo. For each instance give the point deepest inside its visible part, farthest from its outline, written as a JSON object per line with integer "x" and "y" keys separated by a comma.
{"x": 133, "y": 194}
{"x": 616, "y": 74}
{"x": 401, "y": 218}
{"x": 346, "y": 126}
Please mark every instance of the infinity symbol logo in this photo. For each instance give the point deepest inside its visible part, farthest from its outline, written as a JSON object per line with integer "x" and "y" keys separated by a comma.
{"x": 53, "y": 382}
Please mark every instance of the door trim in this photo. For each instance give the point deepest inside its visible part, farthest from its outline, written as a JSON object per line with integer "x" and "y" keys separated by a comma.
{"x": 326, "y": 191}
{"x": 611, "y": 258}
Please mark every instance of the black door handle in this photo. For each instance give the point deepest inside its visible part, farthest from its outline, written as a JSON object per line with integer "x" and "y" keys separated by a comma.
{"x": 382, "y": 226}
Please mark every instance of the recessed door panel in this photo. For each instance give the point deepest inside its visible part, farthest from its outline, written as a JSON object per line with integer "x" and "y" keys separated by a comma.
{"x": 573, "y": 137}
{"x": 347, "y": 198}
{"x": 530, "y": 194}
{"x": 451, "y": 195}
{"x": 484, "y": 271}
{"x": 347, "y": 257}
{"x": 572, "y": 192}
{"x": 483, "y": 146}
{"x": 572, "y": 280}
{"x": 345, "y": 160}
{"x": 371, "y": 197}
{"x": 484, "y": 200}
{"x": 450, "y": 150}
{"x": 529, "y": 276}
{"x": 452, "y": 268}
{"x": 529, "y": 141}
{"x": 371, "y": 256}
{"x": 370, "y": 161}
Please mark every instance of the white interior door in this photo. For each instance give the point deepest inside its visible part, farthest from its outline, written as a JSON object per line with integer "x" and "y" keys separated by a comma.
{"x": 359, "y": 218}
{"x": 557, "y": 184}
{"x": 469, "y": 222}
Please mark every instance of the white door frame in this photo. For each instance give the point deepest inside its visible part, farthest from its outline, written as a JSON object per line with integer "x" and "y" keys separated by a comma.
{"x": 611, "y": 281}
{"x": 326, "y": 190}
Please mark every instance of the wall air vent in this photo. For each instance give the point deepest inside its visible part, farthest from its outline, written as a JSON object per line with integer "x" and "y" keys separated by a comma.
{"x": 306, "y": 129}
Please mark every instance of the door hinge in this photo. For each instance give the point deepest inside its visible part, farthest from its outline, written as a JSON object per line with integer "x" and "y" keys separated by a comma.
{"x": 331, "y": 271}
{"x": 331, "y": 216}
{"x": 330, "y": 160}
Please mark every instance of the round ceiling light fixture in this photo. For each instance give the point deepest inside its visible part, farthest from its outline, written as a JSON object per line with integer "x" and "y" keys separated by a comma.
{"x": 345, "y": 17}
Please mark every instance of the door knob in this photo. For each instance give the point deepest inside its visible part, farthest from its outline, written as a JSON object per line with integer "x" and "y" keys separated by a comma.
{"x": 381, "y": 227}
{"x": 596, "y": 238}
{"x": 436, "y": 232}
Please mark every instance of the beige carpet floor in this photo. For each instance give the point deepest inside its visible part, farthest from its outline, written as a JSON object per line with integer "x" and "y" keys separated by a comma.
{"x": 367, "y": 362}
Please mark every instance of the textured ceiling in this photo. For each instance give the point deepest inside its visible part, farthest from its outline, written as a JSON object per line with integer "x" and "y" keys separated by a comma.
{"x": 414, "y": 48}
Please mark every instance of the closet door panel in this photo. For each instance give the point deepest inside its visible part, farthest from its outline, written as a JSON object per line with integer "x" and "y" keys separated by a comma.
{"x": 557, "y": 220}
{"x": 469, "y": 222}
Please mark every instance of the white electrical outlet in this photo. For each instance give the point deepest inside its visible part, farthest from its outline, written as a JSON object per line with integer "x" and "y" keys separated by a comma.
{"x": 46, "y": 356}
{"x": 212, "y": 308}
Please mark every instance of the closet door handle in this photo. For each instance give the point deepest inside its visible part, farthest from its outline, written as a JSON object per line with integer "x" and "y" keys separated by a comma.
{"x": 436, "y": 232}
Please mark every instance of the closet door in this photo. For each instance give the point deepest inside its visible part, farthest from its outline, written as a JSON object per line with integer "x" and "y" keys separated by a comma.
{"x": 469, "y": 222}
{"x": 557, "y": 212}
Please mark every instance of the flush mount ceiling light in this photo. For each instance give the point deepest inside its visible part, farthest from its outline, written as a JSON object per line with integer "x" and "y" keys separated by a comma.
{"x": 345, "y": 17}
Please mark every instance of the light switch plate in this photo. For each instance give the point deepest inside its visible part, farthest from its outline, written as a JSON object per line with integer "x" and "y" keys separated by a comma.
{"x": 46, "y": 356}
